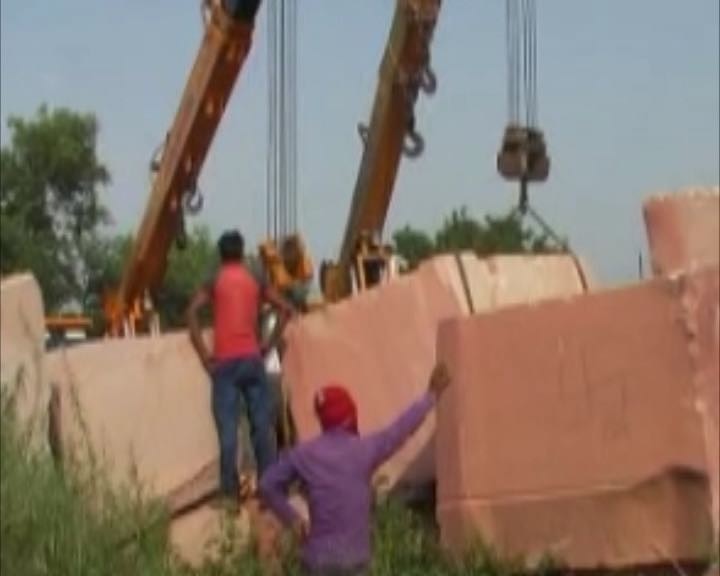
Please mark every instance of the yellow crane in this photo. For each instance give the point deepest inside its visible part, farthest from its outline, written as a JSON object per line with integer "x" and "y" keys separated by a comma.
{"x": 405, "y": 71}
{"x": 363, "y": 260}
{"x": 226, "y": 43}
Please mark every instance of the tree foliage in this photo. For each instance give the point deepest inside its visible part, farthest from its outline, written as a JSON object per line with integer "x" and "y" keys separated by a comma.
{"x": 105, "y": 260}
{"x": 460, "y": 231}
{"x": 50, "y": 208}
{"x": 413, "y": 245}
{"x": 52, "y": 220}
{"x": 187, "y": 269}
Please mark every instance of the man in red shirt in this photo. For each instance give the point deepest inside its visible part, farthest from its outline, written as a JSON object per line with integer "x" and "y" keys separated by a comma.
{"x": 236, "y": 365}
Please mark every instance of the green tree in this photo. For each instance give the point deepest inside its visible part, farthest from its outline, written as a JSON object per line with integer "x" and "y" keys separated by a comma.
{"x": 460, "y": 231}
{"x": 50, "y": 208}
{"x": 187, "y": 269}
{"x": 413, "y": 245}
{"x": 104, "y": 260}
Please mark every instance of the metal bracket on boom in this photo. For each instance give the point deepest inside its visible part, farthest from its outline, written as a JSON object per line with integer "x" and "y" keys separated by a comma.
{"x": 428, "y": 80}
{"x": 363, "y": 132}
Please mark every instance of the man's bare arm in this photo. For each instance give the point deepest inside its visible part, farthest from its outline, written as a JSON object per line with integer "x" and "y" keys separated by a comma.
{"x": 284, "y": 310}
{"x": 200, "y": 298}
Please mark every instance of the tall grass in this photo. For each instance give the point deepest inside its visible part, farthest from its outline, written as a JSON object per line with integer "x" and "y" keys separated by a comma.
{"x": 48, "y": 526}
{"x": 70, "y": 523}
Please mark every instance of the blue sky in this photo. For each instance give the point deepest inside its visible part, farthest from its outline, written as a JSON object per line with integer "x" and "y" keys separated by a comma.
{"x": 628, "y": 100}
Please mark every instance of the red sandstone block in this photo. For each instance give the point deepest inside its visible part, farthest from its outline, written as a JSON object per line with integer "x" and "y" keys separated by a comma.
{"x": 381, "y": 344}
{"x": 22, "y": 352}
{"x": 683, "y": 229}
{"x": 701, "y": 303}
{"x": 571, "y": 428}
{"x": 143, "y": 405}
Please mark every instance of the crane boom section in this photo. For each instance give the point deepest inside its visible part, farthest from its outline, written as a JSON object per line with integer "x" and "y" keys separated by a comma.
{"x": 404, "y": 71}
{"x": 225, "y": 46}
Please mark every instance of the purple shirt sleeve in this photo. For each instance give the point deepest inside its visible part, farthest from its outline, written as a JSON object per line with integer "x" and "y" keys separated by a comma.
{"x": 386, "y": 442}
{"x": 274, "y": 486}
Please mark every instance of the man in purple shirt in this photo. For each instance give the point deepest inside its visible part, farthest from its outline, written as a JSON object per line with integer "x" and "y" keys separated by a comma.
{"x": 335, "y": 471}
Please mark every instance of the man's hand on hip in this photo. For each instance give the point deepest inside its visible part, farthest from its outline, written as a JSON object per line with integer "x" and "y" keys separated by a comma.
{"x": 209, "y": 364}
{"x": 301, "y": 529}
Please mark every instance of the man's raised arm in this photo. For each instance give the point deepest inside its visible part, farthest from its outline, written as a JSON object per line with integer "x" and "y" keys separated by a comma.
{"x": 386, "y": 442}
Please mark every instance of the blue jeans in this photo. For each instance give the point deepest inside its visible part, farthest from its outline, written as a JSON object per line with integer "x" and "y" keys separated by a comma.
{"x": 234, "y": 381}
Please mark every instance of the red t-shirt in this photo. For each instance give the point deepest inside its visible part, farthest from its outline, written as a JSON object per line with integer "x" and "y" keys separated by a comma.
{"x": 236, "y": 296}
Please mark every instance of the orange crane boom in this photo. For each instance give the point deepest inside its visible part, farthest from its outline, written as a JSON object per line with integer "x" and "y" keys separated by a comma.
{"x": 225, "y": 46}
{"x": 404, "y": 72}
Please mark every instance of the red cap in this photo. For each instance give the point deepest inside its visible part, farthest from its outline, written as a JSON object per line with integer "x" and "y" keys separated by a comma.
{"x": 336, "y": 408}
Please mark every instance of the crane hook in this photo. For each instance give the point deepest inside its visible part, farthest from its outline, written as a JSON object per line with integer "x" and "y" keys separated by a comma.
{"x": 413, "y": 145}
{"x": 156, "y": 158}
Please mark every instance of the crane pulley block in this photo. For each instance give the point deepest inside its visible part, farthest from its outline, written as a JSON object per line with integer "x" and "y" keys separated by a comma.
{"x": 287, "y": 263}
{"x": 523, "y": 155}
{"x": 242, "y": 9}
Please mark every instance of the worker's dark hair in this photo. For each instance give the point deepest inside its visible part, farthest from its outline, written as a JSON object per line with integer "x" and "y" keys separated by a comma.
{"x": 231, "y": 246}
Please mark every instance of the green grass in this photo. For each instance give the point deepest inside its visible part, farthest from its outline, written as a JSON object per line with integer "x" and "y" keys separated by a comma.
{"x": 72, "y": 524}
{"x": 47, "y": 525}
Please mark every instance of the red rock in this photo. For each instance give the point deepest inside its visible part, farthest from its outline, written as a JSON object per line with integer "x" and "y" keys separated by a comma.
{"x": 684, "y": 235}
{"x": 683, "y": 229}
{"x": 701, "y": 302}
{"x": 381, "y": 343}
{"x": 571, "y": 428}
{"x": 143, "y": 404}
{"x": 22, "y": 351}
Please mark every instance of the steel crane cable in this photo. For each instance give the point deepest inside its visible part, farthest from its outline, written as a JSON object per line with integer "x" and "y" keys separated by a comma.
{"x": 526, "y": 60}
{"x": 293, "y": 154}
{"x": 523, "y": 209}
{"x": 271, "y": 169}
{"x": 521, "y": 54}
{"x": 282, "y": 127}
{"x": 530, "y": 42}
{"x": 521, "y": 38}
{"x": 513, "y": 60}
{"x": 281, "y": 201}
